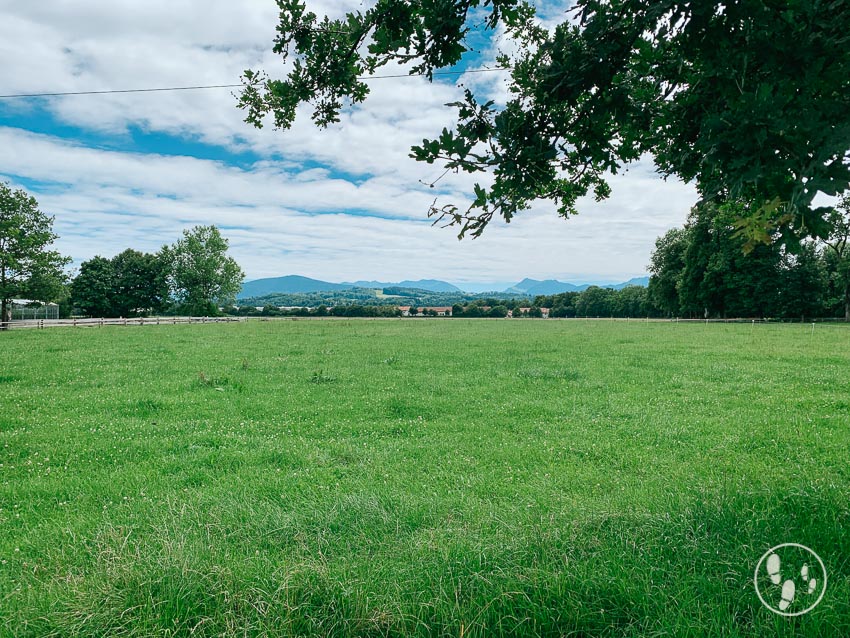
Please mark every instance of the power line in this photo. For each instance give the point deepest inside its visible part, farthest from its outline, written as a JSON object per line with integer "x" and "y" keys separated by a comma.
{"x": 230, "y": 86}
{"x": 170, "y": 88}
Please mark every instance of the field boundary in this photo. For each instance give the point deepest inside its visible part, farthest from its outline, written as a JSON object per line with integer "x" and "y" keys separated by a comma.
{"x": 121, "y": 321}
{"x": 171, "y": 321}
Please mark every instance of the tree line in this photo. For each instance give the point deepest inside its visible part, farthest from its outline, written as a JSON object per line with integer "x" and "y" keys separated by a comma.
{"x": 390, "y": 296}
{"x": 489, "y": 307}
{"x": 192, "y": 276}
{"x": 597, "y": 301}
{"x": 709, "y": 269}
{"x": 347, "y": 310}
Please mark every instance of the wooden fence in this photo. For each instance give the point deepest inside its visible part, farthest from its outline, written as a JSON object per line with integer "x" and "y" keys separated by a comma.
{"x": 122, "y": 321}
{"x": 156, "y": 321}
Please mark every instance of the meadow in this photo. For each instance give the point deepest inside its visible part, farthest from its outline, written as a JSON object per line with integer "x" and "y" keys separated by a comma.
{"x": 419, "y": 477}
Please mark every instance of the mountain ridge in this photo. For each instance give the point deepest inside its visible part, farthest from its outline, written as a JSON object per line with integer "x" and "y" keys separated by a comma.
{"x": 433, "y": 285}
{"x": 534, "y": 287}
{"x": 293, "y": 284}
{"x": 286, "y": 284}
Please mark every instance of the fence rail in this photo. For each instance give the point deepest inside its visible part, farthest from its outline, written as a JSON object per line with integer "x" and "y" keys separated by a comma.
{"x": 156, "y": 321}
{"x": 121, "y": 321}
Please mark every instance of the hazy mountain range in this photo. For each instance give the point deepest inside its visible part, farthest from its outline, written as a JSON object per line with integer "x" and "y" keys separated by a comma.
{"x": 533, "y": 287}
{"x": 292, "y": 284}
{"x": 434, "y": 285}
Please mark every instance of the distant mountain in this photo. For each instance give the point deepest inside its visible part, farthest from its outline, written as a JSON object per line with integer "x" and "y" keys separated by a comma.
{"x": 635, "y": 281}
{"x": 295, "y": 284}
{"x": 534, "y": 287}
{"x": 485, "y": 286}
{"x": 432, "y": 285}
{"x": 287, "y": 285}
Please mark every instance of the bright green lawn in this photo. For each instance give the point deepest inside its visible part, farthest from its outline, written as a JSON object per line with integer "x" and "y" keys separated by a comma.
{"x": 419, "y": 477}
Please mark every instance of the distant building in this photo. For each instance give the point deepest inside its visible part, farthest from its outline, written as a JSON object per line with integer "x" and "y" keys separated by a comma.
{"x": 27, "y": 309}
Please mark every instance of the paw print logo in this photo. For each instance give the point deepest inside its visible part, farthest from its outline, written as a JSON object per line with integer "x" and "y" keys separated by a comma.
{"x": 790, "y": 579}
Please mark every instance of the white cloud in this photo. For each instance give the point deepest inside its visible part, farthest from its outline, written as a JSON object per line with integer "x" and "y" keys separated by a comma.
{"x": 286, "y": 212}
{"x": 278, "y": 223}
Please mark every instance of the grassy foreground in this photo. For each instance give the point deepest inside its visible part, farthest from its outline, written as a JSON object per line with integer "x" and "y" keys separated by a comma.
{"x": 419, "y": 478}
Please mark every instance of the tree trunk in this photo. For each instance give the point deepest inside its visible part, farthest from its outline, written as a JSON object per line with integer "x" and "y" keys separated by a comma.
{"x": 4, "y": 315}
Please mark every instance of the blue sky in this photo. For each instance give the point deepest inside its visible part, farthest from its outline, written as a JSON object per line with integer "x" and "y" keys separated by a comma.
{"x": 133, "y": 170}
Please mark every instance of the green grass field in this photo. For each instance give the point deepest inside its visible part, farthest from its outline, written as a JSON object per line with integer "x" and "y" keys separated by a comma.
{"x": 419, "y": 478}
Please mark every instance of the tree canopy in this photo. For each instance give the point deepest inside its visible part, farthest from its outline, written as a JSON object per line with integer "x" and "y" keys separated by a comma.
{"x": 837, "y": 255}
{"x": 131, "y": 283}
{"x": 28, "y": 267}
{"x": 93, "y": 288}
{"x": 668, "y": 262}
{"x": 201, "y": 273}
{"x": 701, "y": 270}
{"x": 748, "y": 99}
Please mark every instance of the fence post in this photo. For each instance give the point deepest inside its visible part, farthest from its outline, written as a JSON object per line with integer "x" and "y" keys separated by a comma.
{"x": 75, "y": 322}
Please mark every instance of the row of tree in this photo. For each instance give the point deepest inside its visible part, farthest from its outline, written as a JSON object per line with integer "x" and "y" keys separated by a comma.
{"x": 477, "y": 309}
{"x": 494, "y": 307}
{"x": 595, "y": 301}
{"x": 347, "y": 310}
{"x": 193, "y": 276}
{"x": 708, "y": 269}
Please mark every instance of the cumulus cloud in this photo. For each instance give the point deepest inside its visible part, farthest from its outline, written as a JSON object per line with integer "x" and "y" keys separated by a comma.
{"x": 342, "y": 204}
